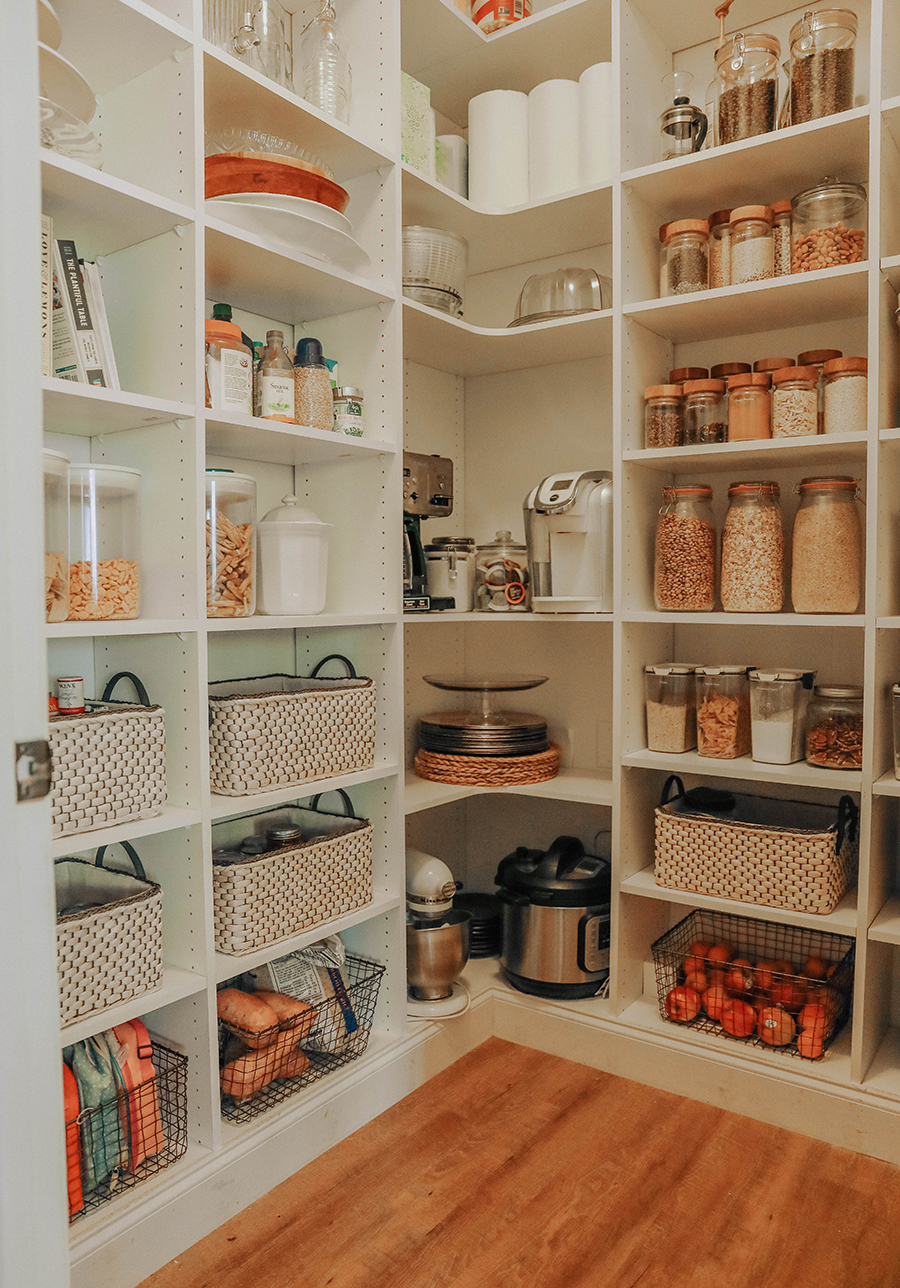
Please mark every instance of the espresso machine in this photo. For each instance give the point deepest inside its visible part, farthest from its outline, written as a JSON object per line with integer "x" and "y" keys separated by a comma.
{"x": 569, "y": 533}
{"x": 427, "y": 493}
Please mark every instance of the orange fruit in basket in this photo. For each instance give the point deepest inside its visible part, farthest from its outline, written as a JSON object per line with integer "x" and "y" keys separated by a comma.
{"x": 738, "y": 1018}
{"x": 814, "y": 1020}
{"x": 694, "y": 964}
{"x": 782, "y": 967}
{"x": 697, "y": 981}
{"x": 714, "y": 999}
{"x": 775, "y": 1026}
{"x": 814, "y": 968}
{"x": 765, "y": 975}
{"x": 682, "y": 1004}
{"x": 809, "y": 1044}
{"x": 719, "y": 953}
{"x": 788, "y": 993}
{"x": 738, "y": 981}
{"x": 699, "y": 948}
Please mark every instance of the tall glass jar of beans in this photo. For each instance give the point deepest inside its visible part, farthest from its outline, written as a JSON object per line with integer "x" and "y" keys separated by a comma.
{"x": 795, "y": 402}
{"x": 687, "y": 256}
{"x": 827, "y": 546}
{"x": 663, "y": 416}
{"x": 684, "y": 574}
{"x": 705, "y": 412}
{"x": 752, "y": 245}
{"x": 753, "y": 550}
{"x": 828, "y": 226}
{"x": 747, "y": 73}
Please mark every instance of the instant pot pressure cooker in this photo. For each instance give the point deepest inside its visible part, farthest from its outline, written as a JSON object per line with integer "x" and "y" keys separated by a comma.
{"x": 555, "y": 919}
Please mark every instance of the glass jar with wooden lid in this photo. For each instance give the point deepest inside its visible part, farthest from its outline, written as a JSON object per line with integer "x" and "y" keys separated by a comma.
{"x": 749, "y": 406}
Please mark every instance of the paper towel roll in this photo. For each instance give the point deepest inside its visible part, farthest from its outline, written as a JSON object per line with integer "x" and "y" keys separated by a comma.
{"x": 453, "y": 163}
{"x": 498, "y": 149}
{"x": 597, "y": 124}
{"x": 552, "y": 138}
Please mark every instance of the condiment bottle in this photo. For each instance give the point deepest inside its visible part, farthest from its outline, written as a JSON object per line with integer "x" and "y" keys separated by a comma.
{"x": 817, "y": 358}
{"x": 846, "y": 388}
{"x": 752, "y": 245}
{"x": 749, "y": 406}
{"x": 719, "y": 249}
{"x": 274, "y": 382}
{"x": 795, "y": 402}
{"x": 229, "y": 368}
{"x": 705, "y": 412}
{"x": 348, "y": 411}
{"x": 687, "y": 256}
{"x": 313, "y": 403}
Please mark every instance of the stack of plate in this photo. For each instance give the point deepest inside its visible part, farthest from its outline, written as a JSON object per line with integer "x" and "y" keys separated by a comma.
{"x": 463, "y": 733}
{"x": 486, "y": 926}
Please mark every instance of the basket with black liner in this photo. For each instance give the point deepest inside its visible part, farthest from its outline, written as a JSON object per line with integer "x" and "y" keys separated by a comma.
{"x": 274, "y": 731}
{"x": 786, "y": 854}
{"x": 768, "y": 947}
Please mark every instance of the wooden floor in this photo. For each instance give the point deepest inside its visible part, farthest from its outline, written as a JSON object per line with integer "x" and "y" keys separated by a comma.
{"x": 522, "y": 1170}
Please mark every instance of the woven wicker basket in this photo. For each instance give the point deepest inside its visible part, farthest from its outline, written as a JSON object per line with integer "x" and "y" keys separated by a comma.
{"x": 806, "y": 864}
{"x": 298, "y": 886}
{"x": 109, "y": 764}
{"x": 111, "y": 951}
{"x": 488, "y": 771}
{"x": 279, "y": 730}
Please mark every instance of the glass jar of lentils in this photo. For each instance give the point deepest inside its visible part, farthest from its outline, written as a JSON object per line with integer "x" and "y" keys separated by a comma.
{"x": 753, "y": 550}
{"x": 663, "y": 416}
{"x": 826, "y": 546}
{"x": 795, "y": 402}
{"x": 705, "y": 412}
{"x": 687, "y": 256}
{"x": 752, "y": 245}
{"x": 684, "y": 573}
{"x": 747, "y": 74}
{"x": 834, "y": 727}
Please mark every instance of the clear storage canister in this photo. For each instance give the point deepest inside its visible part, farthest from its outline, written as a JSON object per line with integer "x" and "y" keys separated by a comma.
{"x": 817, "y": 358}
{"x": 778, "y": 703}
{"x": 104, "y": 542}
{"x": 822, "y": 64}
{"x": 719, "y": 249}
{"x": 56, "y": 535}
{"x": 687, "y": 256}
{"x": 502, "y": 581}
{"x": 230, "y": 544}
{"x": 895, "y": 702}
{"x": 723, "y": 712}
{"x": 752, "y": 245}
{"x": 663, "y": 416}
{"x": 684, "y": 570}
{"x": 753, "y": 550}
{"x": 834, "y": 727}
{"x": 705, "y": 412}
{"x": 828, "y": 226}
{"x": 845, "y": 384}
{"x": 795, "y": 402}
{"x": 826, "y": 547}
{"x": 749, "y": 407}
{"x": 747, "y": 73}
{"x": 671, "y": 707}
{"x": 781, "y": 236}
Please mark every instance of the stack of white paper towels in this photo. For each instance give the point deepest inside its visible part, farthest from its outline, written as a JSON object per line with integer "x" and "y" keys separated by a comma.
{"x": 526, "y": 147}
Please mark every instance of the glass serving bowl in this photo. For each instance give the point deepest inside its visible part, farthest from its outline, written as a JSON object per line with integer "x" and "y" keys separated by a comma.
{"x": 271, "y": 145}
{"x": 564, "y": 292}
{"x": 66, "y": 134}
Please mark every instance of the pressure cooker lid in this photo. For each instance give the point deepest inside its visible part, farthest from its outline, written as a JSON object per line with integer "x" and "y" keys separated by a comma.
{"x": 564, "y": 875}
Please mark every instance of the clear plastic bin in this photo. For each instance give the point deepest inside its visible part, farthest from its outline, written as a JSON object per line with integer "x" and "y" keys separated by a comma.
{"x": 671, "y": 707}
{"x": 778, "y": 703}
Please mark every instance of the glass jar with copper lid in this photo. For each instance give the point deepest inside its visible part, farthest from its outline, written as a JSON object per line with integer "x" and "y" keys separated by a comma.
{"x": 753, "y": 550}
{"x": 719, "y": 249}
{"x": 747, "y": 73}
{"x": 845, "y": 384}
{"x": 773, "y": 364}
{"x": 817, "y": 358}
{"x": 687, "y": 256}
{"x": 705, "y": 412}
{"x": 781, "y": 236}
{"x": 684, "y": 566}
{"x": 678, "y": 375}
{"x": 663, "y": 263}
{"x": 795, "y": 402}
{"x": 752, "y": 245}
{"x": 663, "y": 416}
{"x": 722, "y": 370}
{"x": 827, "y": 546}
{"x": 749, "y": 406}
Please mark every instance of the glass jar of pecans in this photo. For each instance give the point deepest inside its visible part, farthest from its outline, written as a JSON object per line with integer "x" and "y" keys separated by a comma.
{"x": 684, "y": 572}
{"x": 835, "y": 727}
{"x": 723, "y": 712}
{"x": 753, "y": 550}
{"x": 828, "y": 226}
{"x": 826, "y": 547}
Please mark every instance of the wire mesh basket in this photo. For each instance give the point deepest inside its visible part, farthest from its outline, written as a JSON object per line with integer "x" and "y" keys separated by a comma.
{"x": 336, "y": 1038}
{"x": 765, "y": 973}
{"x": 434, "y": 257}
{"x": 143, "y": 1130}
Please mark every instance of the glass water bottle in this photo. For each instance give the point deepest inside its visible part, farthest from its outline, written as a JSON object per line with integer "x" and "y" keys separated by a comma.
{"x": 324, "y": 65}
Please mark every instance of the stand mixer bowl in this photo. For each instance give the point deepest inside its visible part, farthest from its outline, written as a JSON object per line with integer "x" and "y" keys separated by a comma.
{"x": 437, "y": 949}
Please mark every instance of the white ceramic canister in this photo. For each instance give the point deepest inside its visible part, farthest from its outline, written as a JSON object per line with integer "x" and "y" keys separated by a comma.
{"x": 293, "y": 560}
{"x": 450, "y": 565}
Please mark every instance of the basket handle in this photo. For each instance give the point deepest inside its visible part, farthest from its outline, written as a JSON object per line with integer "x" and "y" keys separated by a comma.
{"x": 138, "y": 687}
{"x": 334, "y": 657}
{"x": 847, "y": 821}
{"x": 348, "y": 804}
{"x": 132, "y": 854}
{"x": 672, "y": 780}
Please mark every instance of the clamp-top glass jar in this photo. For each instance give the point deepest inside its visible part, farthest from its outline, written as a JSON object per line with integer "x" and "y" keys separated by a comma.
{"x": 828, "y": 226}
{"x": 684, "y": 570}
{"x": 827, "y": 547}
{"x": 822, "y": 64}
{"x": 834, "y": 732}
{"x": 747, "y": 73}
{"x": 753, "y": 550}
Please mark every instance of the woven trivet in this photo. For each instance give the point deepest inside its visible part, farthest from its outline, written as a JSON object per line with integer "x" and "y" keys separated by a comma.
{"x": 488, "y": 771}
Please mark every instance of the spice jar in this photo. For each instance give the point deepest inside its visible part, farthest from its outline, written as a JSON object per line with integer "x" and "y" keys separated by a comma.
{"x": 104, "y": 543}
{"x": 722, "y": 370}
{"x": 671, "y": 707}
{"x": 687, "y": 256}
{"x": 663, "y": 416}
{"x": 723, "y": 712}
{"x": 778, "y": 704}
{"x": 822, "y": 64}
{"x": 781, "y": 236}
{"x": 663, "y": 263}
{"x": 817, "y": 358}
{"x": 705, "y": 412}
{"x": 348, "y": 411}
{"x": 313, "y": 402}
{"x": 230, "y": 544}
{"x": 719, "y": 249}
{"x": 846, "y": 390}
{"x": 684, "y": 572}
{"x": 835, "y": 727}
{"x": 229, "y": 368}
{"x": 749, "y": 407}
{"x": 828, "y": 226}
{"x": 753, "y": 550}
{"x": 826, "y": 547}
{"x": 773, "y": 364}
{"x": 895, "y": 700}
{"x": 56, "y": 535}
{"x": 747, "y": 73}
{"x": 795, "y": 402}
{"x": 678, "y": 375}
{"x": 752, "y": 245}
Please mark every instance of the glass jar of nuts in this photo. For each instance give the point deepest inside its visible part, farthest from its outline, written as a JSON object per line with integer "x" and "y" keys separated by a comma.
{"x": 684, "y": 575}
{"x": 834, "y": 727}
{"x": 828, "y": 226}
{"x": 230, "y": 544}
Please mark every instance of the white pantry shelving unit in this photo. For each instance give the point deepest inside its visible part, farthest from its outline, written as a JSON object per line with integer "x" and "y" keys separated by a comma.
{"x": 510, "y": 407}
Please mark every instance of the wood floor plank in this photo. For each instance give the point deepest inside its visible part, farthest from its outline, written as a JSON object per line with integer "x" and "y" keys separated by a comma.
{"x": 519, "y": 1169}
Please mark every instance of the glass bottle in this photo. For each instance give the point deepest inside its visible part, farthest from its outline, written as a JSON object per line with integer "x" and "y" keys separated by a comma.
{"x": 684, "y": 572}
{"x": 795, "y": 402}
{"x": 826, "y": 547}
{"x": 274, "y": 381}
{"x": 663, "y": 416}
{"x": 828, "y": 226}
{"x": 846, "y": 390}
{"x": 749, "y": 407}
{"x": 723, "y": 712}
{"x": 705, "y": 412}
{"x": 752, "y": 245}
{"x": 834, "y": 727}
{"x": 822, "y": 64}
{"x": 325, "y": 68}
{"x": 747, "y": 74}
{"x": 719, "y": 249}
{"x": 313, "y": 402}
{"x": 753, "y": 550}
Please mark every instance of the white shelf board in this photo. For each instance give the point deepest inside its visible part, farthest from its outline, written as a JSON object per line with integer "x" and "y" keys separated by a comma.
{"x": 114, "y": 41}
{"x": 729, "y": 176}
{"x": 883, "y": 1074}
{"x": 235, "y": 93}
{"x": 887, "y": 784}
{"x": 227, "y": 966}
{"x": 827, "y": 295}
{"x": 327, "y": 620}
{"x": 743, "y": 768}
{"x": 889, "y": 435}
{"x": 778, "y": 453}
{"x": 890, "y": 266}
{"x": 818, "y": 620}
{"x": 841, "y": 922}
{"x": 239, "y": 806}
{"x": 888, "y": 623}
{"x": 100, "y": 213}
{"x": 518, "y": 235}
{"x": 484, "y": 976}
{"x": 446, "y": 51}
{"x": 885, "y": 929}
{"x": 409, "y": 618}
{"x": 274, "y": 280}
{"x": 173, "y": 816}
{"x": 437, "y": 340}
{"x": 136, "y": 626}
{"x": 176, "y": 984}
{"x": 89, "y": 410}
{"x": 570, "y": 785}
{"x": 250, "y": 438}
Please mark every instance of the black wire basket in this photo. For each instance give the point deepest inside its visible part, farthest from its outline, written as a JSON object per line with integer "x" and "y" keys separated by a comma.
{"x": 757, "y": 947}
{"x": 329, "y": 1045}
{"x": 122, "y": 1142}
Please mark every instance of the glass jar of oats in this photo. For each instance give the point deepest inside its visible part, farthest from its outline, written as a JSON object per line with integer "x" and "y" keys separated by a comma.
{"x": 827, "y": 546}
{"x": 753, "y": 550}
{"x": 723, "y": 712}
{"x": 671, "y": 707}
{"x": 104, "y": 543}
